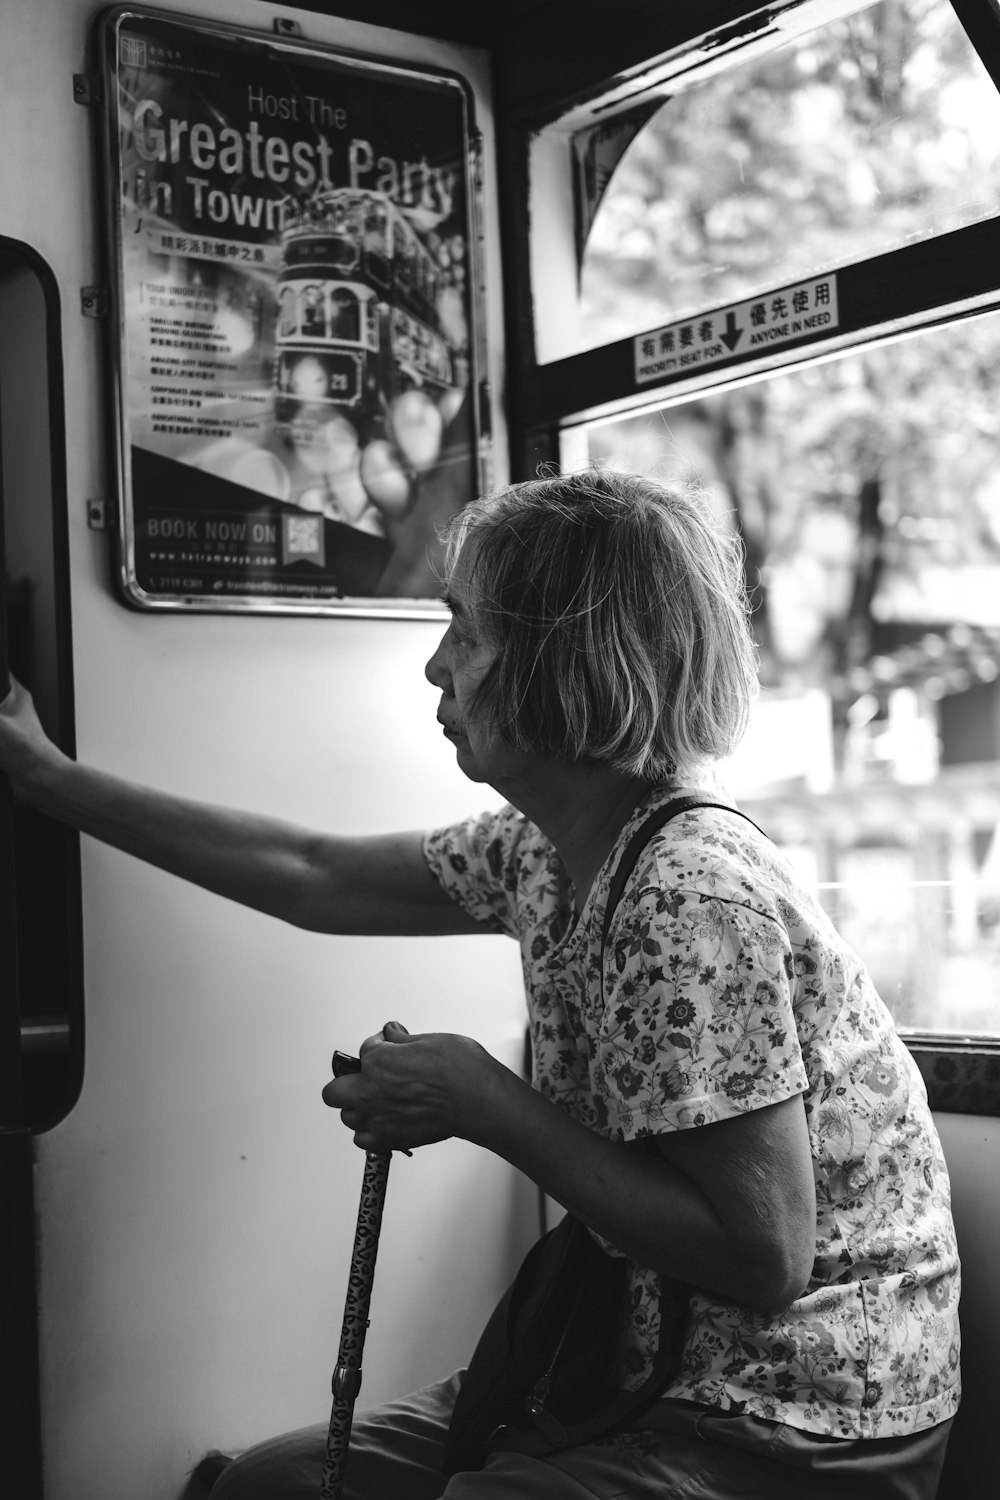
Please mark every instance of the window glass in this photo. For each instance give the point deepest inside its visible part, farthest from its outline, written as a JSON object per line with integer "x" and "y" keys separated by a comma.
{"x": 878, "y": 130}
{"x": 867, "y": 493}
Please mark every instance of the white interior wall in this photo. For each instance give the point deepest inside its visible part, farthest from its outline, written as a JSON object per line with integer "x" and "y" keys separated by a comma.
{"x": 196, "y": 1209}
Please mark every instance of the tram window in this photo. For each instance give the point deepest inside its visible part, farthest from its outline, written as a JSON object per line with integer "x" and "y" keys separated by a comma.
{"x": 374, "y": 231}
{"x": 371, "y": 323}
{"x": 856, "y": 460}
{"x": 287, "y": 313}
{"x": 313, "y": 312}
{"x": 867, "y": 495}
{"x": 400, "y": 246}
{"x": 345, "y": 315}
{"x": 877, "y": 130}
{"x": 376, "y": 241}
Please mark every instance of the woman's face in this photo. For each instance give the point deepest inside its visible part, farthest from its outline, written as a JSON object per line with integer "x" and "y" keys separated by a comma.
{"x": 457, "y": 668}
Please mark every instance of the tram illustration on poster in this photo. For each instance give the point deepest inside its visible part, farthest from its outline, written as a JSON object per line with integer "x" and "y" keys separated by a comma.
{"x": 294, "y": 237}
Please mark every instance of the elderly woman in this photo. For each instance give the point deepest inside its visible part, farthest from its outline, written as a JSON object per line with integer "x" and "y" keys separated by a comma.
{"x": 719, "y": 1095}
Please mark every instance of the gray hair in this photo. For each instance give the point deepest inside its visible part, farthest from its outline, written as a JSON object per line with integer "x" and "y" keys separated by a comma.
{"x": 618, "y": 612}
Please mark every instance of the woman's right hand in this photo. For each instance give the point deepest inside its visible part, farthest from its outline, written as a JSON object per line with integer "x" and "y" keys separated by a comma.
{"x": 24, "y": 746}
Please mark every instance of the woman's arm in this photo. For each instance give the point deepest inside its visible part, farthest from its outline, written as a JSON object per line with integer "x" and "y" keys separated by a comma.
{"x": 327, "y": 884}
{"x": 729, "y": 1206}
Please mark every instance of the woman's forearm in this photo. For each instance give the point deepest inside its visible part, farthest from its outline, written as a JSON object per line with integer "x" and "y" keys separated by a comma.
{"x": 642, "y": 1204}
{"x": 321, "y": 882}
{"x": 733, "y": 1209}
{"x": 260, "y": 862}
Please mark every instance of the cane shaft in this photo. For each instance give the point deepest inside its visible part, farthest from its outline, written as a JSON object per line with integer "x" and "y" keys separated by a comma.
{"x": 347, "y": 1375}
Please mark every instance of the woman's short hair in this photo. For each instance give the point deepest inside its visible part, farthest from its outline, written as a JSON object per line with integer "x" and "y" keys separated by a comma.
{"x": 618, "y": 611}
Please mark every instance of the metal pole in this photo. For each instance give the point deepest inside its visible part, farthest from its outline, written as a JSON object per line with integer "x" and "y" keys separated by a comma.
{"x": 347, "y": 1375}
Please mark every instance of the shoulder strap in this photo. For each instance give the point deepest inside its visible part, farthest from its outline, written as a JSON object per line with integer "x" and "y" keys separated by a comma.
{"x": 673, "y": 1304}
{"x": 683, "y": 802}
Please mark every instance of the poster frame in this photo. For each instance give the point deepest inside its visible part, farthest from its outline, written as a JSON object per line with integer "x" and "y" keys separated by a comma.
{"x": 476, "y": 450}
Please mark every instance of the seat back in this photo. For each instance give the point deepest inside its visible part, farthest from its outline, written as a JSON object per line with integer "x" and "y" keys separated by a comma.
{"x": 972, "y": 1150}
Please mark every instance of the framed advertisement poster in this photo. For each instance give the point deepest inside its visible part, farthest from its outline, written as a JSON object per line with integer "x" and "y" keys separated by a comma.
{"x": 294, "y": 298}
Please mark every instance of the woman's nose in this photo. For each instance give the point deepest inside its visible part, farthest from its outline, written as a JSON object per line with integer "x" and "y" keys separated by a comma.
{"x": 436, "y": 671}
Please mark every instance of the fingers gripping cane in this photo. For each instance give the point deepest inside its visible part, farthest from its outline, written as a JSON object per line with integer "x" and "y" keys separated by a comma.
{"x": 347, "y": 1375}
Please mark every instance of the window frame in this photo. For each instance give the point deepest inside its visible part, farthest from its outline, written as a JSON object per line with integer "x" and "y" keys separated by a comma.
{"x": 939, "y": 281}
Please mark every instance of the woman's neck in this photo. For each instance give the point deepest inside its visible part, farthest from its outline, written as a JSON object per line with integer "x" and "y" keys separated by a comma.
{"x": 581, "y": 809}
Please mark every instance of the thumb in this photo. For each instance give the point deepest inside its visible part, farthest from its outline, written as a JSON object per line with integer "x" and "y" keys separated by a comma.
{"x": 394, "y": 1031}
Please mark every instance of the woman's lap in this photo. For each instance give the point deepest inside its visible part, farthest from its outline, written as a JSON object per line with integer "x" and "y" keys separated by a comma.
{"x": 395, "y": 1454}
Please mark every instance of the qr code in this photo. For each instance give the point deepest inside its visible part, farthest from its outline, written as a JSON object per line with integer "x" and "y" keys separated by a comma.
{"x": 303, "y": 536}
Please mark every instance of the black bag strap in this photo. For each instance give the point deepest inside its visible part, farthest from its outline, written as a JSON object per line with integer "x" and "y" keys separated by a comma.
{"x": 683, "y": 802}
{"x": 631, "y": 1404}
{"x": 627, "y": 1406}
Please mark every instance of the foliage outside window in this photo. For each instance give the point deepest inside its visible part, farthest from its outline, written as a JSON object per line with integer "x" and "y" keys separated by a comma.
{"x": 879, "y": 130}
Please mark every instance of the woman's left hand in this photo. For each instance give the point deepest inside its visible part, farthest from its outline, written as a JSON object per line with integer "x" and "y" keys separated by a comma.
{"x": 413, "y": 1090}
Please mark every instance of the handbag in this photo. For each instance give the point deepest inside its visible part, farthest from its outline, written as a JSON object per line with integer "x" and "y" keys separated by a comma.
{"x": 538, "y": 1380}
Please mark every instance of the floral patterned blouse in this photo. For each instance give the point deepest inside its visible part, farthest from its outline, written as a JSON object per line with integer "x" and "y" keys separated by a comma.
{"x": 726, "y": 988}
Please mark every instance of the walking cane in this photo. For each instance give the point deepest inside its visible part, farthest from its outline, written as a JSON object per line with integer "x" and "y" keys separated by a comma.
{"x": 347, "y": 1374}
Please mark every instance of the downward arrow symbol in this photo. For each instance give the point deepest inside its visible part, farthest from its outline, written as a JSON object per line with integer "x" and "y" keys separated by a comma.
{"x": 732, "y": 335}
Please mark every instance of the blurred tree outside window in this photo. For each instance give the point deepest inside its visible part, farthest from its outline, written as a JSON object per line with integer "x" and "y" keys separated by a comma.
{"x": 865, "y": 487}
{"x": 871, "y": 133}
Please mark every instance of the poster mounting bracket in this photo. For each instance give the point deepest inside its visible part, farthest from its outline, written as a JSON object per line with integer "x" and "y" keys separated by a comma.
{"x": 88, "y": 88}
{"x": 99, "y": 514}
{"x": 95, "y": 301}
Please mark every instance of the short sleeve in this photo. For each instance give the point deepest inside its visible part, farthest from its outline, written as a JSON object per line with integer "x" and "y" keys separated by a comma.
{"x": 699, "y": 1022}
{"x": 476, "y": 863}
